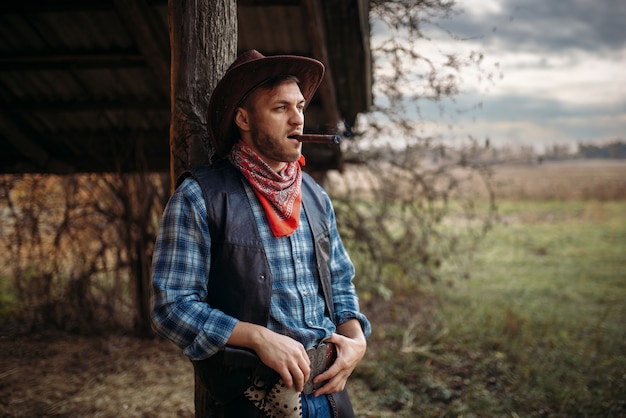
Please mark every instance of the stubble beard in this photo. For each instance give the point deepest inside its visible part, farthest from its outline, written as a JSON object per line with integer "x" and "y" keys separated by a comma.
{"x": 274, "y": 148}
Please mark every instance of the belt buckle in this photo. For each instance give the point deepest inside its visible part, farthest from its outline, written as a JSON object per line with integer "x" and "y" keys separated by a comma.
{"x": 320, "y": 362}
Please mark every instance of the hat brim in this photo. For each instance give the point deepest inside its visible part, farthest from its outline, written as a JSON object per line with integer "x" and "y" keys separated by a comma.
{"x": 240, "y": 80}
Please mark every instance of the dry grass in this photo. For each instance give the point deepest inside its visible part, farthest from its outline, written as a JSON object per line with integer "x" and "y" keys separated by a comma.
{"x": 115, "y": 376}
{"x": 563, "y": 180}
{"x": 594, "y": 179}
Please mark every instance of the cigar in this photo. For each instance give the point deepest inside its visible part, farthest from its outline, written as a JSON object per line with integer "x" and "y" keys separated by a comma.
{"x": 317, "y": 138}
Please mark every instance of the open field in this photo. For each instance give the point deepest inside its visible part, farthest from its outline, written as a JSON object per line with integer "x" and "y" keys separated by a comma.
{"x": 537, "y": 330}
{"x": 563, "y": 180}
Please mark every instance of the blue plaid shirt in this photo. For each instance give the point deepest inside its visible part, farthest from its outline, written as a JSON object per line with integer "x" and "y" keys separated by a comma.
{"x": 181, "y": 265}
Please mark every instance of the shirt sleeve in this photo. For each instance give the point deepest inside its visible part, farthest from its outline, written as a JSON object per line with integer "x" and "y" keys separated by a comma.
{"x": 180, "y": 273}
{"x": 345, "y": 299}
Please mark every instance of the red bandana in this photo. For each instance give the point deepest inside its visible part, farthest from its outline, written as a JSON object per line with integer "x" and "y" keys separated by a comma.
{"x": 279, "y": 193}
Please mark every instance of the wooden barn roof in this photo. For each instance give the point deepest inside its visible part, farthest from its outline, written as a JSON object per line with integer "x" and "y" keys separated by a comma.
{"x": 84, "y": 84}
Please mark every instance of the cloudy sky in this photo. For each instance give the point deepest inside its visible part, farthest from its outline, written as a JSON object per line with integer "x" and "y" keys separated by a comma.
{"x": 562, "y": 65}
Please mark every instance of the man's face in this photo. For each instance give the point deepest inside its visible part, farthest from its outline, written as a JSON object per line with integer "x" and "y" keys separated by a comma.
{"x": 274, "y": 115}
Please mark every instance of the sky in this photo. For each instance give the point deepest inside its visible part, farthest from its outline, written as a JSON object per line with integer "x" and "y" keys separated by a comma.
{"x": 559, "y": 71}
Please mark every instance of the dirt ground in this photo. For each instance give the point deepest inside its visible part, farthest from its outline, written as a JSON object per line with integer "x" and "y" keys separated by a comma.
{"x": 58, "y": 375}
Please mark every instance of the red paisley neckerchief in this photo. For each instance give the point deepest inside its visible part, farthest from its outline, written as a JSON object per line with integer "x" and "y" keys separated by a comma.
{"x": 279, "y": 193}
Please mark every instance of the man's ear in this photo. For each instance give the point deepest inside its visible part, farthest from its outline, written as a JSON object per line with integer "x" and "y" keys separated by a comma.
{"x": 242, "y": 119}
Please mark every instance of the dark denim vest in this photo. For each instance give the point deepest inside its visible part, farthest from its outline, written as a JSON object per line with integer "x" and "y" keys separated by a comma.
{"x": 240, "y": 280}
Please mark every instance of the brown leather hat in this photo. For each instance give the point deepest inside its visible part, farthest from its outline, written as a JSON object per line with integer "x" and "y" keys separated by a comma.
{"x": 247, "y": 72}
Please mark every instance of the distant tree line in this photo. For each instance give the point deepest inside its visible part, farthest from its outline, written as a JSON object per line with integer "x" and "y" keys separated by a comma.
{"x": 613, "y": 150}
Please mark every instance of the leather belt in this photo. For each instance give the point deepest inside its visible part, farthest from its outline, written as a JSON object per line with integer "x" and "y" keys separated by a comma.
{"x": 322, "y": 357}
{"x": 232, "y": 357}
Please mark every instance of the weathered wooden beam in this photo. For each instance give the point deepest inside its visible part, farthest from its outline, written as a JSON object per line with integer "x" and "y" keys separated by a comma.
{"x": 136, "y": 15}
{"x": 315, "y": 20}
{"x": 53, "y": 6}
{"x": 29, "y": 148}
{"x": 117, "y": 105}
{"x": 62, "y": 6}
{"x": 123, "y": 150}
{"x": 72, "y": 60}
{"x": 248, "y": 3}
{"x": 351, "y": 60}
{"x": 89, "y": 138}
{"x": 203, "y": 42}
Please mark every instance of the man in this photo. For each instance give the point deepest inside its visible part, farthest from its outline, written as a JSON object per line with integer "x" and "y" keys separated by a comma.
{"x": 250, "y": 276}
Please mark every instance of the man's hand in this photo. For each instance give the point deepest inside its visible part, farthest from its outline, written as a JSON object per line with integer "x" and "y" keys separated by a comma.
{"x": 287, "y": 357}
{"x": 351, "y": 346}
{"x": 281, "y": 353}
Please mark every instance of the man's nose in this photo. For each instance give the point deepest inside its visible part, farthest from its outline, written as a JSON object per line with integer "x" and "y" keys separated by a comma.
{"x": 297, "y": 117}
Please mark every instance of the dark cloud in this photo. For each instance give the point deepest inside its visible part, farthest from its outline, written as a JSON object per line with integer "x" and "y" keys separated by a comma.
{"x": 539, "y": 25}
{"x": 520, "y": 107}
{"x": 556, "y": 41}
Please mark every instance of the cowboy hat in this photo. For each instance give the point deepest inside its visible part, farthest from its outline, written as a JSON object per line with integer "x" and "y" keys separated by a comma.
{"x": 248, "y": 71}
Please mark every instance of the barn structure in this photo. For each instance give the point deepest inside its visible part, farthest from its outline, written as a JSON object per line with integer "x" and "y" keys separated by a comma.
{"x": 88, "y": 85}
{"x": 85, "y": 84}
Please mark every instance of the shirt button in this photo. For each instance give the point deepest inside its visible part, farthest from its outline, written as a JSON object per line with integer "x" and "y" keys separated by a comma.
{"x": 305, "y": 293}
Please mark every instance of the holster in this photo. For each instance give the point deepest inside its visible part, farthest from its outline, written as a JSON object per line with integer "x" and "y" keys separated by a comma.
{"x": 341, "y": 405}
{"x": 228, "y": 373}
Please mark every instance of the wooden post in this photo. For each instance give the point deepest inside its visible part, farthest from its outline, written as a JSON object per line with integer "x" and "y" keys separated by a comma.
{"x": 203, "y": 43}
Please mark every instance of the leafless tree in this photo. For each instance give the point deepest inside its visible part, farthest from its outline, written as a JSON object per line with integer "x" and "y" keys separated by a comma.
{"x": 404, "y": 203}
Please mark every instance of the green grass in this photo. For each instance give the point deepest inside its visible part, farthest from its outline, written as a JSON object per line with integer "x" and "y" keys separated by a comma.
{"x": 537, "y": 330}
